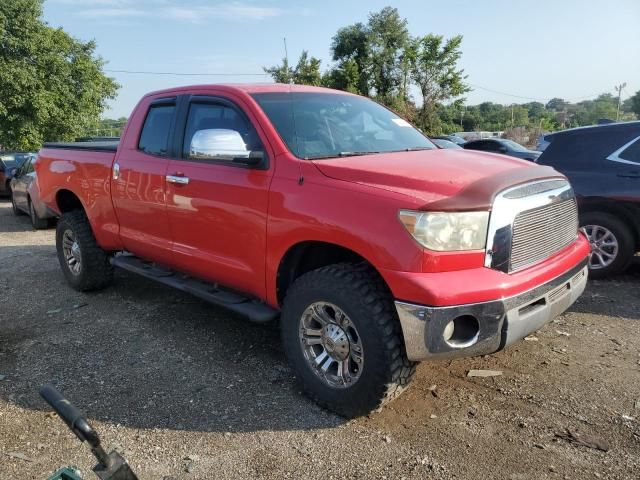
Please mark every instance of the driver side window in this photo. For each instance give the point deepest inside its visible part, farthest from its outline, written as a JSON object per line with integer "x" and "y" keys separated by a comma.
{"x": 218, "y": 132}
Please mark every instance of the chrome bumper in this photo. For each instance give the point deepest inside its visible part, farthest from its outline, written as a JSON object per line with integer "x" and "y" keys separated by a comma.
{"x": 499, "y": 323}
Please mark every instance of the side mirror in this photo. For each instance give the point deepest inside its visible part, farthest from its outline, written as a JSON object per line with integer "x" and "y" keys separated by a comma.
{"x": 13, "y": 172}
{"x": 218, "y": 143}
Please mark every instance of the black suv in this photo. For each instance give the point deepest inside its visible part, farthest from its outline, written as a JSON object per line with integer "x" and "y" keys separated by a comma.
{"x": 603, "y": 164}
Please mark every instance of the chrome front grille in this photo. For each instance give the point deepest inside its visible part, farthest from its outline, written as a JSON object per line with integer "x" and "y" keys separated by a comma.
{"x": 541, "y": 232}
{"x": 529, "y": 223}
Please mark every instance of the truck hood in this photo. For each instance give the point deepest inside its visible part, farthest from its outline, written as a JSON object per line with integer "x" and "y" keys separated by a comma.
{"x": 443, "y": 179}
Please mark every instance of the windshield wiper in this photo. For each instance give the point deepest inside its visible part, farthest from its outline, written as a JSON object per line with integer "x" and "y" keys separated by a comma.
{"x": 340, "y": 154}
{"x": 416, "y": 149}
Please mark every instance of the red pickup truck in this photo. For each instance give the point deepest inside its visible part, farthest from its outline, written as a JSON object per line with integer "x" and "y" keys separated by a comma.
{"x": 324, "y": 210}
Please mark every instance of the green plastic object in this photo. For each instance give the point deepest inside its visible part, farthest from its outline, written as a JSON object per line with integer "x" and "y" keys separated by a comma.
{"x": 66, "y": 473}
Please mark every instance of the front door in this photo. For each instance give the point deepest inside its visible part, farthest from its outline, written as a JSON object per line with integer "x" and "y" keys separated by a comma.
{"x": 217, "y": 205}
{"x": 23, "y": 179}
{"x": 138, "y": 182}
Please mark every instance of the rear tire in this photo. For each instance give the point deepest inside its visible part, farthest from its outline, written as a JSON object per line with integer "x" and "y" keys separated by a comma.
{"x": 606, "y": 231}
{"x": 37, "y": 222}
{"x": 356, "y": 293}
{"x": 85, "y": 265}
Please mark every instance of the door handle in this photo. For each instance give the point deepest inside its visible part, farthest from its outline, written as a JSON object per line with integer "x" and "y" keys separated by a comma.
{"x": 116, "y": 171}
{"x": 629, "y": 175}
{"x": 177, "y": 179}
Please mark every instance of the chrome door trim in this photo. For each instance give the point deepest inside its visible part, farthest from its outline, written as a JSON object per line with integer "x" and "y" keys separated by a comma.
{"x": 177, "y": 179}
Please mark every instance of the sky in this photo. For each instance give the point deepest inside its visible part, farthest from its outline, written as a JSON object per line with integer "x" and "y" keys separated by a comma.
{"x": 513, "y": 51}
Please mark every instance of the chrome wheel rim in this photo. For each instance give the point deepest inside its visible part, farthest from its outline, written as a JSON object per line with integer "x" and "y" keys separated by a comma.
{"x": 331, "y": 345}
{"x": 71, "y": 251}
{"x": 604, "y": 246}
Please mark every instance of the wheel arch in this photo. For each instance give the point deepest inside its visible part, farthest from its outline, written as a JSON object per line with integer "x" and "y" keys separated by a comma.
{"x": 67, "y": 201}
{"x": 308, "y": 255}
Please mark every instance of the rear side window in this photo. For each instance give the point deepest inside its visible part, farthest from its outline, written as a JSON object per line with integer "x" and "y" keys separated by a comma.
{"x": 154, "y": 138}
{"x": 632, "y": 152}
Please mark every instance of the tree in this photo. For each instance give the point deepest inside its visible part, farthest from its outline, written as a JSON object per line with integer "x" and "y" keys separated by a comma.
{"x": 434, "y": 69}
{"x": 306, "y": 72}
{"x": 556, "y": 104}
{"x": 345, "y": 76}
{"x": 632, "y": 104}
{"x": 350, "y": 47}
{"x": 387, "y": 37}
{"x": 52, "y": 86}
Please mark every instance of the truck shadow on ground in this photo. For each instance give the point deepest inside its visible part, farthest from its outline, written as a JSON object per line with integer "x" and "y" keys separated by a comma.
{"x": 142, "y": 355}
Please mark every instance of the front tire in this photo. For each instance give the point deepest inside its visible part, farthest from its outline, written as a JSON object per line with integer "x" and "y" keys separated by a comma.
{"x": 14, "y": 207}
{"x": 612, "y": 243}
{"x": 85, "y": 265}
{"x": 342, "y": 337}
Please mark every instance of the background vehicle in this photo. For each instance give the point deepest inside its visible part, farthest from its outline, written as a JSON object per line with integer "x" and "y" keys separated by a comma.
{"x": 25, "y": 195}
{"x": 603, "y": 164}
{"x": 363, "y": 231}
{"x": 501, "y": 145}
{"x": 452, "y": 138}
{"x": 9, "y": 163}
{"x": 442, "y": 143}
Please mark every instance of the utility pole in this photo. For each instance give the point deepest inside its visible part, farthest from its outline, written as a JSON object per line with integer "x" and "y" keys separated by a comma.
{"x": 619, "y": 89}
{"x": 286, "y": 59}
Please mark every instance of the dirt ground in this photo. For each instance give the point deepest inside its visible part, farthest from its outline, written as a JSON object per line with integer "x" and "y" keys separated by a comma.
{"x": 187, "y": 390}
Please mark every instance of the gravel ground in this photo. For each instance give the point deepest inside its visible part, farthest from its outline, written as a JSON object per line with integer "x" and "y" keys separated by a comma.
{"x": 188, "y": 390}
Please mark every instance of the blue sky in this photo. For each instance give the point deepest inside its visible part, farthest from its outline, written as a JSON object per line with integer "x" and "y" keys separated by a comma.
{"x": 537, "y": 49}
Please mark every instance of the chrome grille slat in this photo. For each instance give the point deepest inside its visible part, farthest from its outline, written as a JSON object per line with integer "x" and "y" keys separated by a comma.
{"x": 540, "y": 232}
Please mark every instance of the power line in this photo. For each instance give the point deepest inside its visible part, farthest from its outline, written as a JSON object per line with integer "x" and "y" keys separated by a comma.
{"x": 507, "y": 94}
{"x": 531, "y": 98}
{"x": 249, "y": 74}
{"x": 187, "y": 74}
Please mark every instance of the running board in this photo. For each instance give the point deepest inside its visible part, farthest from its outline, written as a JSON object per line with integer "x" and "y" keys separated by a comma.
{"x": 254, "y": 310}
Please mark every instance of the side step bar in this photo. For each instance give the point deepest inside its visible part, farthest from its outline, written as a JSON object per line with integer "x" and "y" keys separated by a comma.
{"x": 254, "y": 310}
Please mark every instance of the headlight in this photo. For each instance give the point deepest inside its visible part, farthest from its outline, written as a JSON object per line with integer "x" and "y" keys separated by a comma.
{"x": 447, "y": 231}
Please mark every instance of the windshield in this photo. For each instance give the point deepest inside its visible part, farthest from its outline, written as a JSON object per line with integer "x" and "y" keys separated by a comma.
{"x": 14, "y": 160}
{"x": 326, "y": 125}
{"x": 514, "y": 146}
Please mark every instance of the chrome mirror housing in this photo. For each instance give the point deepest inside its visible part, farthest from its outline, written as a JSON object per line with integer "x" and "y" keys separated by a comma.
{"x": 218, "y": 143}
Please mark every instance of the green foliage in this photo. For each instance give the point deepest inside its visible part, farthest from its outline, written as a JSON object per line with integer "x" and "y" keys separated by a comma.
{"x": 433, "y": 67}
{"x": 306, "y": 72}
{"x": 632, "y": 104}
{"x": 350, "y": 47}
{"x": 379, "y": 59}
{"x": 52, "y": 85}
{"x": 387, "y": 36}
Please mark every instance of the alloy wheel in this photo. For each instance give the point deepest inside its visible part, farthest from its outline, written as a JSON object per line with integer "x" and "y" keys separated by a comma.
{"x": 604, "y": 246}
{"x": 331, "y": 345}
{"x": 71, "y": 251}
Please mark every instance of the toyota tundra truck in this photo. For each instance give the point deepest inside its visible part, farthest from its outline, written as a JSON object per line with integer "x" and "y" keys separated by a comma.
{"x": 330, "y": 214}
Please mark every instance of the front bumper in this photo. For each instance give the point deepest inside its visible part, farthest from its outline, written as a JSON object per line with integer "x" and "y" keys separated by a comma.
{"x": 487, "y": 327}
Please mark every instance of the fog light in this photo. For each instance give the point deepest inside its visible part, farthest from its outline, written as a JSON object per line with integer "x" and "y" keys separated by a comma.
{"x": 462, "y": 331}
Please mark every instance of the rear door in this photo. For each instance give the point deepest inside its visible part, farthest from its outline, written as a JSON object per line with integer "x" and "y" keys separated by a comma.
{"x": 138, "y": 181}
{"x": 217, "y": 207}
